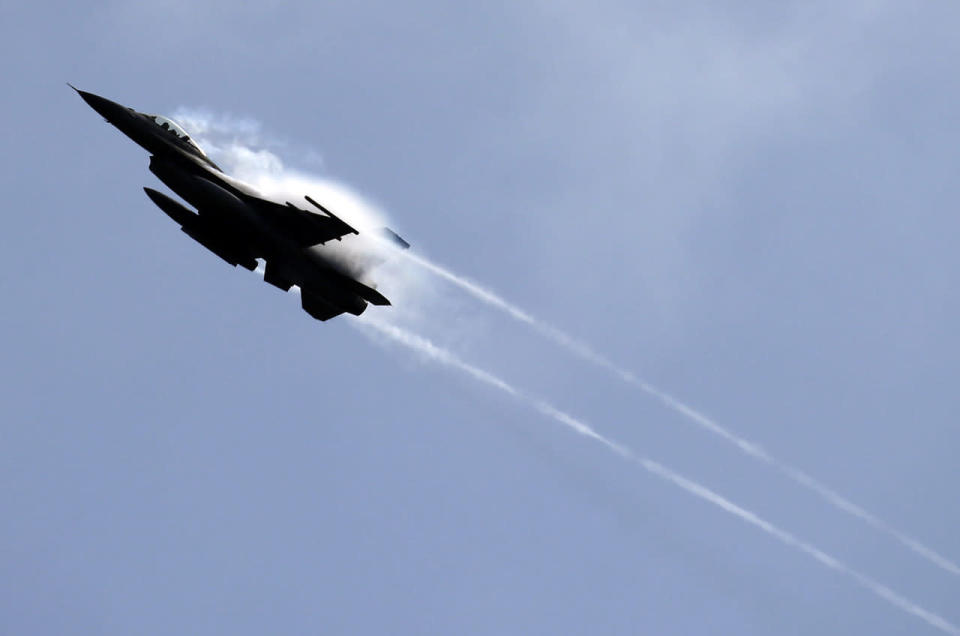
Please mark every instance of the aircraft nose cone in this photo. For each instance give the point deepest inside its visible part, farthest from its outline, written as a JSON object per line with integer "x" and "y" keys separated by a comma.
{"x": 109, "y": 110}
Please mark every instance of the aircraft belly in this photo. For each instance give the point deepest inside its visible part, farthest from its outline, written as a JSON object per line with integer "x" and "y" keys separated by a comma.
{"x": 232, "y": 252}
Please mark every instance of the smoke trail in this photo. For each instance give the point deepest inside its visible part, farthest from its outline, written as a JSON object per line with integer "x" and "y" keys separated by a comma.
{"x": 233, "y": 141}
{"x": 474, "y": 289}
{"x": 585, "y": 352}
{"x": 691, "y": 487}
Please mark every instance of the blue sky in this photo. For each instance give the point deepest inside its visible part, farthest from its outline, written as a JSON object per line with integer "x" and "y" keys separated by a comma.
{"x": 750, "y": 206}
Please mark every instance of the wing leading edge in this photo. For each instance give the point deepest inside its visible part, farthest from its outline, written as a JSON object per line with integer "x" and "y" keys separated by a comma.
{"x": 304, "y": 227}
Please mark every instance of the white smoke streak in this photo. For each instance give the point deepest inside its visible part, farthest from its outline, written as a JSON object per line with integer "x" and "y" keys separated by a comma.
{"x": 585, "y": 352}
{"x": 474, "y": 289}
{"x": 232, "y": 141}
{"x": 444, "y": 357}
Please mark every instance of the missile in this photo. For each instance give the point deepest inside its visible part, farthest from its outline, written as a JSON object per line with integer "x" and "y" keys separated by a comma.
{"x": 333, "y": 216}
{"x": 392, "y": 237}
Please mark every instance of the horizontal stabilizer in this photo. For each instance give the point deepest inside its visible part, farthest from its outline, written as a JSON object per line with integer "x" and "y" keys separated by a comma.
{"x": 318, "y": 307}
{"x": 372, "y": 296}
{"x": 369, "y": 294}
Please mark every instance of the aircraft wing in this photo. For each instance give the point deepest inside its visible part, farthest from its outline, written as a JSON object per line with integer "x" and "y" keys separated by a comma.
{"x": 305, "y": 227}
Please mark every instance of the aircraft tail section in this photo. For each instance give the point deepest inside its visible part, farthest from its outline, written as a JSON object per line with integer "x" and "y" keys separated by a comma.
{"x": 369, "y": 294}
{"x": 317, "y": 307}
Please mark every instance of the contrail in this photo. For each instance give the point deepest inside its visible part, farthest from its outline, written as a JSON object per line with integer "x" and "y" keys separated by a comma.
{"x": 691, "y": 487}
{"x": 266, "y": 165}
{"x": 585, "y": 352}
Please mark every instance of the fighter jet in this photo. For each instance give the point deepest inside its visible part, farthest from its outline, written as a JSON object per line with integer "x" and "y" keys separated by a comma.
{"x": 239, "y": 224}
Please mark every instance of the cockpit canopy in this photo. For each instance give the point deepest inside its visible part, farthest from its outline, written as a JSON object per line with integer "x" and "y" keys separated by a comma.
{"x": 169, "y": 125}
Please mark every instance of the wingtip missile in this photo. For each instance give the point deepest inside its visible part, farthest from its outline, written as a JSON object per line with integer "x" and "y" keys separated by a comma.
{"x": 333, "y": 216}
{"x": 394, "y": 238}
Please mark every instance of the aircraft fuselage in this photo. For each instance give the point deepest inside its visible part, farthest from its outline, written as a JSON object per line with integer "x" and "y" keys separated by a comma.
{"x": 235, "y": 221}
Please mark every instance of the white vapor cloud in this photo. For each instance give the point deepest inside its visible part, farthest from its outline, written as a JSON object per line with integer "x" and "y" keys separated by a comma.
{"x": 446, "y": 358}
{"x": 233, "y": 144}
{"x": 239, "y": 146}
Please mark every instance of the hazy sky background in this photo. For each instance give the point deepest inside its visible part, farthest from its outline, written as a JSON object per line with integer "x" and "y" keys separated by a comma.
{"x": 751, "y": 205}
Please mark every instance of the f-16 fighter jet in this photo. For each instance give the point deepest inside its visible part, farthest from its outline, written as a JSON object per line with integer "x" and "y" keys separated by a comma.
{"x": 240, "y": 225}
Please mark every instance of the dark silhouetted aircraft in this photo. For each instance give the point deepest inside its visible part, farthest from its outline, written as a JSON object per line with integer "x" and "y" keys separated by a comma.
{"x": 240, "y": 225}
